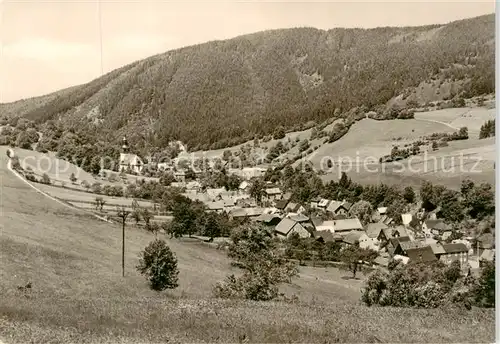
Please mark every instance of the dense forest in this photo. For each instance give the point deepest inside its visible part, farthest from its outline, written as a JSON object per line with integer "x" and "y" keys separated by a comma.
{"x": 222, "y": 93}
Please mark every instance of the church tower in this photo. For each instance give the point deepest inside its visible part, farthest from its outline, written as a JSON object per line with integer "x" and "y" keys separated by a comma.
{"x": 124, "y": 145}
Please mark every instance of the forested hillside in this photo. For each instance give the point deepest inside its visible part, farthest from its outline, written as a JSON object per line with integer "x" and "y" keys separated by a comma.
{"x": 222, "y": 93}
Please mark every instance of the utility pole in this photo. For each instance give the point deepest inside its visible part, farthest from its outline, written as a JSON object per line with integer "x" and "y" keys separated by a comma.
{"x": 123, "y": 214}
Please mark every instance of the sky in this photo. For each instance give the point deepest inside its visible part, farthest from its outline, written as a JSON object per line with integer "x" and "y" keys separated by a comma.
{"x": 49, "y": 45}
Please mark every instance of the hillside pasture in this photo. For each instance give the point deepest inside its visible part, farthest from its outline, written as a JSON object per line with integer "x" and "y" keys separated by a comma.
{"x": 368, "y": 140}
{"x": 58, "y": 170}
{"x": 472, "y": 118}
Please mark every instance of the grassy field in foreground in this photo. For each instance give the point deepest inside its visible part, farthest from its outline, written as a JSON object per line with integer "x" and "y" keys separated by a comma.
{"x": 78, "y": 294}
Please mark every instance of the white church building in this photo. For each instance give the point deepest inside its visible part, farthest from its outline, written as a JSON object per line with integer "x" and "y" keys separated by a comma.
{"x": 127, "y": 160}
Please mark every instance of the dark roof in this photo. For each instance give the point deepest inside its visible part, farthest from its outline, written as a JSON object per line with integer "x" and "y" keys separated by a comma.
{"x": 395, "y": 241}
{"x": 325, "y": 235}
{"x": 400, "y": 230}
{"x": 294, "y": 207}
{"x": 407, "y": 245}
{"x": 455, "y": 248}
{"x": 281, "y": 204}
{"x": 421, "y": 254}
{"x": 267, "y": 218}
{"x": 317, "y": 221}
{"x": 373, "y": 229}
{"x": 347, "y": 205}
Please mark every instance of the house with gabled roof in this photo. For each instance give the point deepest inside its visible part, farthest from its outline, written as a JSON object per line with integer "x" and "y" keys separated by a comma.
{"x": 272, "y": 195}
{"x": 399, "y": 231}
{"x": 337, "y": 208}
{"x": 448, "y": 253}
{"x": 326, "y": 236}
{"x": 434, "y": 226}
{"x": 403, "y": 247}
{"x": 295, "y": 208}
{"x": 241, "y": 213}
{"x": 373, "y": 229}
{"x": 281, "y": 205}
{"x": 215, "y": 206}
{"x": 386, "y": 220}
{"x": 268, "y": 219}
{"x": 288, "y": 226}
{"x": 422, "y": 254}
{"x": 392, "y": 244}
{"x": 347, "y": 225}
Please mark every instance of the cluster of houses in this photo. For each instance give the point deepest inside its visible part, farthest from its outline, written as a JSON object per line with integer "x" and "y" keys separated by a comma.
{"x": 417, "y": 238}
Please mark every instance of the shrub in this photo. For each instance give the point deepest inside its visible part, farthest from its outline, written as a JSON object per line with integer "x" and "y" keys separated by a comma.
{"x": 16, "y": 165}
{"x": 487, "y": 129}
{"x": 45, "y": 179}
{"x": 430, "y": 295}
{"x": 159, "y": 265}
{"x": 485, "y": 289}
{"x": 429, "y": 286}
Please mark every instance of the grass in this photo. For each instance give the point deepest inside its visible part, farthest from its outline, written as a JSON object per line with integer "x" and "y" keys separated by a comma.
{"x": 78, "y": 294}
{"x": 472, "y": 118}
{"x": 57, "y": 169}
{"x": 87, "y": 197}
{"x": 367, "y": 140}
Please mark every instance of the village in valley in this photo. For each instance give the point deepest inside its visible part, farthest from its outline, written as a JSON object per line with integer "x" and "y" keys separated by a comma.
{"x": 296, "y": 185}
{"x": 418, "y": 235}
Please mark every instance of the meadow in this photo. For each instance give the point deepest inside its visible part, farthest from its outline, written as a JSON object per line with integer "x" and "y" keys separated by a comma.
{"x": 79, "y": 295}
{"x": 368, "y": 140}
{"x": 82, "y": 198}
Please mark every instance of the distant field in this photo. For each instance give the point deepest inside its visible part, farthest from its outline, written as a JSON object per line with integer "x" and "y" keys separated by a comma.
{"x": 472, "y": 118}
{"x": 368, "y": 140}
{"x": 78, "y": 294}
{"x": 371, "y": 138}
